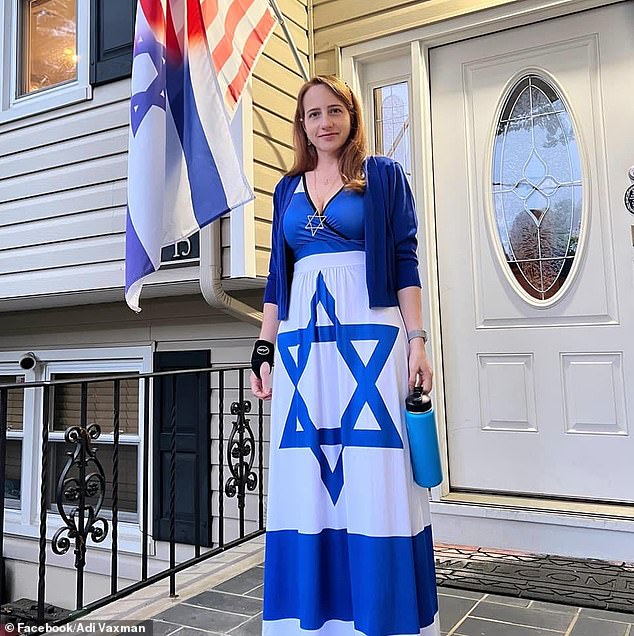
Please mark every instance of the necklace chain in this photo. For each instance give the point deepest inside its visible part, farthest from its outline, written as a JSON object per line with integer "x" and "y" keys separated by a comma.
{"x": 327, "y": 183}
{"x": 328, "y": 178}
{"x": 318, "y": 216}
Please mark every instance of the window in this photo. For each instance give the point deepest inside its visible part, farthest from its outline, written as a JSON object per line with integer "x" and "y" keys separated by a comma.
{"x": 66, "y": 412}
{"x": 391, "y": 123}
{"x": 537, "y": 187}
{"x": 24, "y": 460}
{"x": 44, "y": 61}
{"x": 48, "y": 44}
{"x": 15, "y": 434}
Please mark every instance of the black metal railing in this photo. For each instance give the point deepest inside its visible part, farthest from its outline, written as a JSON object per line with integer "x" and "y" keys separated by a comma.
{"x": 75, "y": 514}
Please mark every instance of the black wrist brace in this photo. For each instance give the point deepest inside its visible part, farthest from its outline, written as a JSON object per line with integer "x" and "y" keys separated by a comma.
{"x": 263, "y": 351}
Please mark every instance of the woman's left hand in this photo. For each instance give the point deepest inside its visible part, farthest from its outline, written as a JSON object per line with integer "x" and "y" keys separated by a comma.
{"x": 420, "y": 372}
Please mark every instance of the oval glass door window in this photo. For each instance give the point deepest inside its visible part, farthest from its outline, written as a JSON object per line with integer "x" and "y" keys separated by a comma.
{"x": 537, "y": 187}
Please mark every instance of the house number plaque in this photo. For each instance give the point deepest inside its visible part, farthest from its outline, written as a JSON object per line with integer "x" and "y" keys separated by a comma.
{"x": 185, "y": 252}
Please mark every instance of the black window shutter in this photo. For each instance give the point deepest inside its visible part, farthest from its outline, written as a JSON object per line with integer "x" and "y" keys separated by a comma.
{"x": 190, "y": 395}
{"x": 111, "y": 39}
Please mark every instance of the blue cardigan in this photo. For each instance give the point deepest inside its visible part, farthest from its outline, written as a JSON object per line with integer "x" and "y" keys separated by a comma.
{"x": 390, "y": 237}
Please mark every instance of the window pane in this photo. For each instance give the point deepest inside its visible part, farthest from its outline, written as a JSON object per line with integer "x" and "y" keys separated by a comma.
{"x": 67, "y": 404}
{"x": 49, "y": 44}
{"x": 13, "y": 479}
{"x": 537, "y": 187}
{"x": 128, "y": 457}
{"x": 391, "y": 123}
{"x": 15, "y": 407}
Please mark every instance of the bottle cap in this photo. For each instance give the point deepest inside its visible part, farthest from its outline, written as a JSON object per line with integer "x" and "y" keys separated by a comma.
{"x": 417, "y": 401}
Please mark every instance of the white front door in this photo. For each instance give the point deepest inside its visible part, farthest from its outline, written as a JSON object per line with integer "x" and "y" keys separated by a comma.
{"x": 533, "y": 136}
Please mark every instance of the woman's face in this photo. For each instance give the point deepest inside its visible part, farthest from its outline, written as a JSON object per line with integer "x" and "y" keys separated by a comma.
{"x": 326, "y": 119}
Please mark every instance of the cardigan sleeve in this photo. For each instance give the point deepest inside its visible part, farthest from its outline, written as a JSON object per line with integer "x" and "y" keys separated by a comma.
{"x": 270, "y": 290}
{"x": 404, "y": 225}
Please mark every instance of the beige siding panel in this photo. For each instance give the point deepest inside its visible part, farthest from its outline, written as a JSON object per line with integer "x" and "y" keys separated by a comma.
{"x": 88, "y": 122}
{"x": 273, "y": 127}
{"x": 298, "y": 34}
{"x": 67, "y": 153}
{"x": 338, "y": 11}
{"x": 99, "y": 249}
{"x": 279, "y": 51}
{"x": 296, "y": 11}
{"x": 79, "y": 278}
{"x": 69, "y": 228}
{"x": 402, "y": 18}
{"x": 268, "y": 97}
{"x": 263, "y": 234}
{"x": 262, "y": 257}
{"x": 65, "y": 178}
{"x": 273, "y": 153}
{"x": 111, "y": 194}
{"x": 275, "y": 74}
{"x": 263, "y": 206}
{"x": 267, "y": 179}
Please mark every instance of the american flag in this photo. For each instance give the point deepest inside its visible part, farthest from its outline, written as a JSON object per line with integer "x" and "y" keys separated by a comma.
{"x": 237, "y": 31}
{"x": 183, "y": 171}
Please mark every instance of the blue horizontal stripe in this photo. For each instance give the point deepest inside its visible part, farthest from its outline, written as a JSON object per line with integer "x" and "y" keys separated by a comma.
{"x": 137, "y": 262}
{"x": 385, "y": 585}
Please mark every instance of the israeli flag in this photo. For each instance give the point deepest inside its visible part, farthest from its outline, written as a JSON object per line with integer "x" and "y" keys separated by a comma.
{"x": 183, "y": 171}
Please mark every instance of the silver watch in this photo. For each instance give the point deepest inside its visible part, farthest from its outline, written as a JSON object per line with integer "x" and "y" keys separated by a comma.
{"x": 417, "y": 333}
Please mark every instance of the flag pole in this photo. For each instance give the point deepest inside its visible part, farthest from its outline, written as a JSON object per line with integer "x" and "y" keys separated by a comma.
{"x": 289, "y": 38}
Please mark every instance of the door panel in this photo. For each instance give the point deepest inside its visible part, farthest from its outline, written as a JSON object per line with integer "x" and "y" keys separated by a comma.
{"x": 537, "y": 390}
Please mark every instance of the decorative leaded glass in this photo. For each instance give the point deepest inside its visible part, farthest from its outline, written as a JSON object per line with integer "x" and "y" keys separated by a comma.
{"x": 537, "y": 189}
{"x": 391, "y": 123}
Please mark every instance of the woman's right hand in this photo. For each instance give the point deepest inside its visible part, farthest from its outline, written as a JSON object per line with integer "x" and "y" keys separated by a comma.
{"x": 262, "y": 389}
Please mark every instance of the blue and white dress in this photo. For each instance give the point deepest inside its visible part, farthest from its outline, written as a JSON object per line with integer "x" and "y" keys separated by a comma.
{"x": 348, "y": 545}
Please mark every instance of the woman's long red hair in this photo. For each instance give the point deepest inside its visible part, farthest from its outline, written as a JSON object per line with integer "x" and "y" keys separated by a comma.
{"x": 353, "y": 152}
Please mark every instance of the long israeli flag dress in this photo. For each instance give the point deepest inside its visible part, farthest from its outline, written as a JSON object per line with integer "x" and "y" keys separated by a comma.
{"x": 348, "y": 545}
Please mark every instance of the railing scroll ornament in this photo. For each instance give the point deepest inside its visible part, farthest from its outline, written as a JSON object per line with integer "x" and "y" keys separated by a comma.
{"x": 241, "y": 454}
{"x": 88, "y": 481}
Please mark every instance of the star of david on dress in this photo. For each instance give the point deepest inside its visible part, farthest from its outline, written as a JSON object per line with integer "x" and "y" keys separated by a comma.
{"x": 312, "y": 218}
{"x": 308, "y": 434}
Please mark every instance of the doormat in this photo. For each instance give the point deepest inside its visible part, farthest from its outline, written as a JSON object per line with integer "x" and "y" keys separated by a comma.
{"x": 581, "y": 582}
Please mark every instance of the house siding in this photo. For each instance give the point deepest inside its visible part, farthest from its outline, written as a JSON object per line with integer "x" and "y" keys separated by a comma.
{"x": 63, "y": 181}
{"x": 276, "y": 81}
{"x": 339, "y": 23}
{"x": 62, "y": 197}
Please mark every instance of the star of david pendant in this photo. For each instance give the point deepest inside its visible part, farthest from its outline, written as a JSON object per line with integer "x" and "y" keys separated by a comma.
{"x": 315, "y": 222}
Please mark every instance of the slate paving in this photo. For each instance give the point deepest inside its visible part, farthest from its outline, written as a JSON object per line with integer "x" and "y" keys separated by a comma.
{"x": 234, "y": 608}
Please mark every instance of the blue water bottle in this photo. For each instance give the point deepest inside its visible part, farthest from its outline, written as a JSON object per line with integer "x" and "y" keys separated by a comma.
{"x": 423, "y": 439}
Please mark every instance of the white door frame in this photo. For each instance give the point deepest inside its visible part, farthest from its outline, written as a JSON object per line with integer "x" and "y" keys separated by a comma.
{"x": 419, "y": 41}
{"x": 453, "y": 511}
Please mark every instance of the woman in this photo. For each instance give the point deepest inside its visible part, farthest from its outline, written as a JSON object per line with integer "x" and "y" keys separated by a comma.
{"x": 348, "y": 547}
